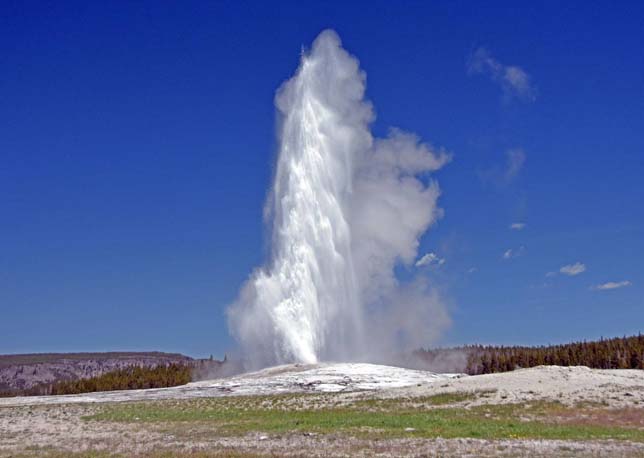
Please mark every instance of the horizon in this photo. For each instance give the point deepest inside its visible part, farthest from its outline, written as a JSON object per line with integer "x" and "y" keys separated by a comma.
{"x": 141, "y": 149}
{"x": 226, "y": 356}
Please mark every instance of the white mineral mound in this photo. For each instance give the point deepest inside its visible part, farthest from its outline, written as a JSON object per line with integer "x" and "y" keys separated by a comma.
{"x": 292, "y": 378}
{"x": 324, "y": 377}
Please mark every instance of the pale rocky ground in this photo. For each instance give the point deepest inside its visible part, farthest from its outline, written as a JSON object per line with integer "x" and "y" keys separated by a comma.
{"x": 568, "y": 385}
{"x": 55, "y": 422}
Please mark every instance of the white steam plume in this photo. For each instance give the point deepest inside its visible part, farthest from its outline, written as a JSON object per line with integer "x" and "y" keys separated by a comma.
{"x": 343, "y": 210}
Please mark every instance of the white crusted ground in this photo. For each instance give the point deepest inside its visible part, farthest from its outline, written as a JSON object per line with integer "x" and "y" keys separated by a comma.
{"x": 569, "y": 385}
{"x": 293, "y": 378}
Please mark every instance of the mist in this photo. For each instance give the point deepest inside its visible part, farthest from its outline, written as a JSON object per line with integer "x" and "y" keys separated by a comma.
{"x": 345, "y": 208}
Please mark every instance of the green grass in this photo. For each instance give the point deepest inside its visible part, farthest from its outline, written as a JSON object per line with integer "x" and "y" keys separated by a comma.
{"x": 442, "y": 399}
{"x": 384, "y": 418}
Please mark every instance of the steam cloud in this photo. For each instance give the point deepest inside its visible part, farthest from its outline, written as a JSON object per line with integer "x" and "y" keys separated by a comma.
{"x": 343, "y": 210}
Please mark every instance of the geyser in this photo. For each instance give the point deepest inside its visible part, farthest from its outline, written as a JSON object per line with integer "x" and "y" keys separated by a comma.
{"x": 344, "y": 208}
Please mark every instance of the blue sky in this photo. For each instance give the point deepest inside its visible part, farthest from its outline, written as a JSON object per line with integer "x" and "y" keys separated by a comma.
{"x": 137, "y": 142}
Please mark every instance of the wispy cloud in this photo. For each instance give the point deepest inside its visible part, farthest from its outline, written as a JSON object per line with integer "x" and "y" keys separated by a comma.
{"x": 503, "y": 175}
{"x": 471, "y": 270}
{"x": 569, "y": 269}
{"x": 611, "y": 285}
{"x": 513, "y": 253}
{"x": 428, "y": 259}
{"x": 515, "y": 158}
{"x": 573, "y": 269}
{"x": 514, "y": 81}
{"x": 517, "y": 226}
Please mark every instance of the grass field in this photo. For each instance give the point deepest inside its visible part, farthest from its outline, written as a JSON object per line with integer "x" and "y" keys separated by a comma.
{"x": 448, "y": 424}
{"x": 425, "y": 417}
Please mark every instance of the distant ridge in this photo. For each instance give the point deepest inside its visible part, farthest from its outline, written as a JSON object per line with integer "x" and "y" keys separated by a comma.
{"x": 24, "y": 371}
{"x": 39, "y": 358}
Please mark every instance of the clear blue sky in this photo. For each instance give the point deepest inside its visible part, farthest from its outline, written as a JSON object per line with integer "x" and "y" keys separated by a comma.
{"x": 137, "y": 140}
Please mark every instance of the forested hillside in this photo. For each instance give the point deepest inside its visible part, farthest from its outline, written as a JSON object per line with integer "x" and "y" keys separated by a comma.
{"x": 35, "y": 374}
{"x": 23, "y": 372}
{"x": 130, "y": 378}
{"x": 615, "y": 353}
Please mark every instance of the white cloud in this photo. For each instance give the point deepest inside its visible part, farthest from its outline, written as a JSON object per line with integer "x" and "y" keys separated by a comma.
{"x": 573, "y": 269}
{"x": 513, "y": 253}
{"x": 514, "y": 81}
{"x": 517, "y": 226}
{"x": 611, "y": 285}
{"x": 471, "y": 270}
{"x": 430, "y": 258}
{"x": 551, "y": 274}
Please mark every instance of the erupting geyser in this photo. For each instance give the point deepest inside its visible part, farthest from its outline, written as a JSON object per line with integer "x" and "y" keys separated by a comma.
{"x": 343, "y": 210}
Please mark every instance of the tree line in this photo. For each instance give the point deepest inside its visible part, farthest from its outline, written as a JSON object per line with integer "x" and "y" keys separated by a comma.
{"x": 128, "y": 378}
{"x": 615, "y": 353}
